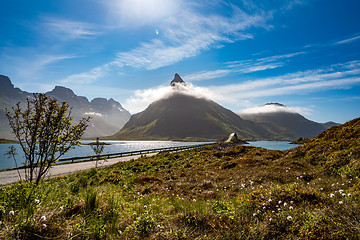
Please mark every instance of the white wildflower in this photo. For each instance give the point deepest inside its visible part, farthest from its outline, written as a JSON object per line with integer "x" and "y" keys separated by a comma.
{"x": 285, "y": 204}
{"x": 11, "y": 213}
{"x": 321, "y": 189}
{"x": 291, "y": 202}
{"x": 43, "y": 226}
{"x": 194, "y": 200}
{"x": 254, "y": 214}
{"x": 270, "y": 200}
{"x": 349, "y": 194}
{"x": 279, "y": 202}
{"x": 289, "y": 218}
{"x": 43, "y": 218}
{"x": 341, "y": 191}
{"x": 270, "y": 219}
{"x": 37, "y": 201}
{"x": 341, "y": 202}
{"x": 291, "y": 207}
{"x": 332, "y": 195}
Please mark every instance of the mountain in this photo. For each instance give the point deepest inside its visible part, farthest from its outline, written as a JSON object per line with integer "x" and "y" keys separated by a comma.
{"x": 182, "y": 116}
{"x": 328, "y": 125}
{"x": 285, "y": 125}
{"x": 9, "y": 97}
{"x": 108, "y": 116}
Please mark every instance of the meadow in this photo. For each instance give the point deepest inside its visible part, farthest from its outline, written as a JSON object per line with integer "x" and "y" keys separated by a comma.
{"x": 225, "y": 191}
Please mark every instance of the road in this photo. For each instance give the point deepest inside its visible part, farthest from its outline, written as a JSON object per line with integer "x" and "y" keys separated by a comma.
{"x": 12, "y": 176}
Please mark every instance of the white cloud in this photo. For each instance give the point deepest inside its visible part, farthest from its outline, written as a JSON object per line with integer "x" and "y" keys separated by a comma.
{"x": 270, "y": 108}
{"x": 206, "y": 75}
{"x": 67, "y": 29}
{"x": 245, "y": 66}
{"x": 189, "y": 33}
{"x": 142, "y": 98}
{"x": 93, "y": 114}
{"x": 87, "y": 77}
{"x": 30, "y": 65}
{"x": 183, "y": 34}
{"x": 348, "y": 40}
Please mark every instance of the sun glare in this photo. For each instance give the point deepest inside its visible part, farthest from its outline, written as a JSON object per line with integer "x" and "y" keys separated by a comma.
{"x": 140, "y": 12}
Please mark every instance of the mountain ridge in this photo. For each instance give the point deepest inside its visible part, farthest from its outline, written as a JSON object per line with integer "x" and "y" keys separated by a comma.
{"x": 108, "y": 116}
{"x": 286, "y": 124}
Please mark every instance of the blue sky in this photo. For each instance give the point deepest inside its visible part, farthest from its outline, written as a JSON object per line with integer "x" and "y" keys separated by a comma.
{"x": 304, "y": 54}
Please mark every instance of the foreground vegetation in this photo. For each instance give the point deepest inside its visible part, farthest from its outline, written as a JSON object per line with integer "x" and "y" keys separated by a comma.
{"x": 220, "y": 192}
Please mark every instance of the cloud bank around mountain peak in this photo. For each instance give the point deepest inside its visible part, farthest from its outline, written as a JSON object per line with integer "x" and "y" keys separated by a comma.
{"x": 273, "y": 108}
{"x": 142, "y": 98}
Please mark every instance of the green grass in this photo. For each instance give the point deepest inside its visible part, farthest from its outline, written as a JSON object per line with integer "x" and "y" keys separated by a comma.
{"x": 220, "y": 192}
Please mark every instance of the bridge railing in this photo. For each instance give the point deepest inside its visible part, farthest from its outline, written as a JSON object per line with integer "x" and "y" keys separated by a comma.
{"x": 138, "y": 152}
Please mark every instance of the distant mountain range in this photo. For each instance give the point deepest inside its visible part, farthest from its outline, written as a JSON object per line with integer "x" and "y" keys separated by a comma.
{"x": 108, "y": 116}
{"x": 178, "y": 116}
{"x": 283, "y": 124}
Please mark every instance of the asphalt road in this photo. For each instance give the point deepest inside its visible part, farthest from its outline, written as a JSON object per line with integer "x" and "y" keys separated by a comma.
{"x": 12, "y": 176}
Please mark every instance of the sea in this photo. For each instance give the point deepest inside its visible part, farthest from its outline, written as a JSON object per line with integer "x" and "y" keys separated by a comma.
{"x": 125, "y": 146}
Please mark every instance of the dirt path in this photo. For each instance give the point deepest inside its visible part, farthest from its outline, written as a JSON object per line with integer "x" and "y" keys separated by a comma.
{"x": 12, "y": 176}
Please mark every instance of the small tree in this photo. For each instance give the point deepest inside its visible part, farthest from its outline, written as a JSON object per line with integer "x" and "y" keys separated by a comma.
{"x": 45, "y": 133}
{"x": 98, "y": 148}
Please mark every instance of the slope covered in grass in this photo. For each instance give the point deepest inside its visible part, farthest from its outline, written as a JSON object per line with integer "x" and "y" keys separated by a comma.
{"x": 336, "y": 150}
{"x": 220, "y": 192}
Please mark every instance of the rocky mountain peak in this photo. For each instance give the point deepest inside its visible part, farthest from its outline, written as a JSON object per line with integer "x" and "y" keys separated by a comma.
{"x": 5, "y": 82}
{"x": 62, "y": 92}
{"x": 177, "y": 79}
{"x": 275, "y": 104}
{"x": 8, "y": 89}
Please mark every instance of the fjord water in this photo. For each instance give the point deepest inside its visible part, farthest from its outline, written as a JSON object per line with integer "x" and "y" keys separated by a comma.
{"x": 273, "y": 145}
{"x": 86, "y": 150}
{"x": 127, "y": 146}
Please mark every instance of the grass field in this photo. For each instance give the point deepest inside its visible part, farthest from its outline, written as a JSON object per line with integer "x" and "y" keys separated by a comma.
{"x": 220, "y": 192}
